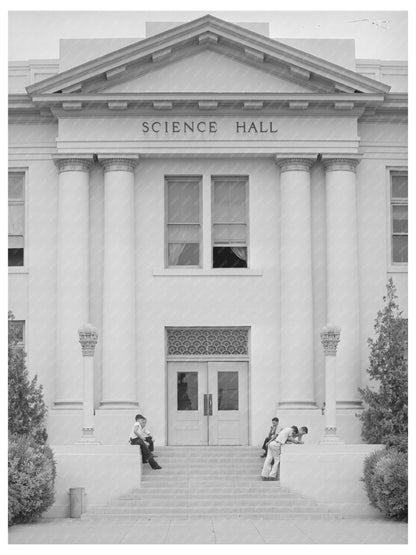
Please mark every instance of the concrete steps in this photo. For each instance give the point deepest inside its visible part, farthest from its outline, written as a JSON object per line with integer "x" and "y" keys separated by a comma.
{"x": 209, "y": 482}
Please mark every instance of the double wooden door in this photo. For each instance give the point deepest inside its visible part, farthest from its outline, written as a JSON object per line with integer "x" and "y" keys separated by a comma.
{"x": 208, "y": 403}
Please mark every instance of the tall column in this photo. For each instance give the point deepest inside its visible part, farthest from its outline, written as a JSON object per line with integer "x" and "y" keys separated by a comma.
{"x": 342, "y": 274}
{"x": 296, "y": 297}
{"x": 72, "y": 276}
{"x": 119, "y": 298}
{"x": 88, "y": 338}
{"x": 330, "y": 336}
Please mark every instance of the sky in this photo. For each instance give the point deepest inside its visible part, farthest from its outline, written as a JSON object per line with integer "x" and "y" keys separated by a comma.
{"x": 36, "y": 34}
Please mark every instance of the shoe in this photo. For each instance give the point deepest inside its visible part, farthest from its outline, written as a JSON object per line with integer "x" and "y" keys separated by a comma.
{"x": 157, "y": 467}
{"x": 265, "y": 479}
{"x": 263, "y": 456}
{"x": 273, "y": 479}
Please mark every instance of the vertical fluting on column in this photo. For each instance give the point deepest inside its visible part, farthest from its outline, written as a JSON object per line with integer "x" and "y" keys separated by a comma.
{"x": 330, "y": 337}
{"x": 119, "y": 297}
{"x": 72, "y": 276}
{"x": 88, "y": 337}
{"x": 296, "y": 296}
{"x": 342, "y": 274}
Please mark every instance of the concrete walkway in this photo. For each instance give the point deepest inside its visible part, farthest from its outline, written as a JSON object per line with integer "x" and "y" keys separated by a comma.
{"x": 133, "y": 530}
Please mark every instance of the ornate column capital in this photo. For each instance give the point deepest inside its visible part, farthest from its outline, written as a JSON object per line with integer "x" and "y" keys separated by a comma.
{"x": 340, "y": 163}
{"x": 73, "y": 163}
{"x": 297, "y": 164}
{"x": 88, "y": 337}
{"x": 121, "y": 162}
{"x": 330, "y": 337}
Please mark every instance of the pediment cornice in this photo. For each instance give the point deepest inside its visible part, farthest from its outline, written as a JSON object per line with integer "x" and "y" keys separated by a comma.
{"x": 211, "y": 33}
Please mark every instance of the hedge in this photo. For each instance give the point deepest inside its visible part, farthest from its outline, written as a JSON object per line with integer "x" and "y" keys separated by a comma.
{"x": 31, "y": 479}
{"x": 390, "y": 484}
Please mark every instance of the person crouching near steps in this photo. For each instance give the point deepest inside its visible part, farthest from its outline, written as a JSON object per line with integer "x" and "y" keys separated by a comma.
{"x": 138, "y": 437}
{"x": 274, "y": 448}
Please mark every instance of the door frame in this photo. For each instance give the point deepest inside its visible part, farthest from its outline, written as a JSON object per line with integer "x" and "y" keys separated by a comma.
{"x": 209, "y": 358}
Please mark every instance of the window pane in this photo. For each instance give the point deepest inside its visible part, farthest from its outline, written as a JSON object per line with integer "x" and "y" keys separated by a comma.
{"x": 229, "y": 257}
{"x": 235, "y": 233}
{"x": 16, "y": 219}
{"x": 399, "y": 186}
{"x": 183, "y": 202}
{"x": 183, "y": 233}
{"x": 16, "y": 327}
{"x": 399, "y": 248}
{"x": 187, "y": 387}
{"x": 16, "y": 186}
{"x": 227, "y": 390}
{"x": 183, "y": 254}
{"x": 229, "y": 201}
{"x": 399, "y": 218}
{"x": 15, "y": 257}
{"x": 16, "y": 242}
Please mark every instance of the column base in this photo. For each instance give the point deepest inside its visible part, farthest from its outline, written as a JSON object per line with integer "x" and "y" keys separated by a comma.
{"x": 88, "y": 436}
{"x": 297, "y": 405}
{"x": 68, "y": 404}
{"x": 119, "y": 405}
{"x": 330, "y": 437}
{"x": 351, "y": 405}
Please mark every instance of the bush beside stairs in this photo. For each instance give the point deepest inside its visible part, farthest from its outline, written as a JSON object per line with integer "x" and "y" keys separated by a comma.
{"x": 222, "y": 482}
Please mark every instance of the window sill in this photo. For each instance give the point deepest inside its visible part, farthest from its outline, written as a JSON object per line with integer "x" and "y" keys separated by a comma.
{"x": 18, "y": 270}
{"x": 397, "y": 269}
{"x": 207, "y": 273}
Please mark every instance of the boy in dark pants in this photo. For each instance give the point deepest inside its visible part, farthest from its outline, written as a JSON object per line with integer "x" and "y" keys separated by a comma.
{"x": 274, "y": 430}
{"x": 138, "y": 437}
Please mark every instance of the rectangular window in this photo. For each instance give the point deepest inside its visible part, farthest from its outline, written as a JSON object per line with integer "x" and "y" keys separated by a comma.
{"x": 229, "y": 222}
{"x": 17, "y": 327}
{"x": 16, "y": 218}
{"x": 183, "y": 227}
{"x": 399, "y": 216}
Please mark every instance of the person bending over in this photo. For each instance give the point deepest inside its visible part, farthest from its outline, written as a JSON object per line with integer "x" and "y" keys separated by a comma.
{"x": 274, "y": 448}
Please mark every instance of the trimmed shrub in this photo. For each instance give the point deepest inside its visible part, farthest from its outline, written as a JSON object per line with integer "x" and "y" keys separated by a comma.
{"x": 386, "y": 401}
{"x": 369, "y": 469}
{"x": 389, "y": 484}
{"x": 31, "y": 479}
{"x": 31, "y": 464}
{"x": 27, "y": 410}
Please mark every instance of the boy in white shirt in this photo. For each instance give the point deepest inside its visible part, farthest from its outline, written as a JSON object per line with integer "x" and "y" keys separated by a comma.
{"x": 138, "y": 437}
{"x": 274, "y": 448}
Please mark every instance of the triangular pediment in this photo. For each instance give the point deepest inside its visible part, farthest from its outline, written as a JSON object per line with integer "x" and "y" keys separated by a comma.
{"x": 277, "y": 64}
{"x": 206, "y": 71}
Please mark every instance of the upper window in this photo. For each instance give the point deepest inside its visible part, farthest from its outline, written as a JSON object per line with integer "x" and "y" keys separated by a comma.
{"x": 16, "y": 218}
{"x": 229, "y": 222}
{"x": 183, "y": 221}
{"x": 399, "y": 216}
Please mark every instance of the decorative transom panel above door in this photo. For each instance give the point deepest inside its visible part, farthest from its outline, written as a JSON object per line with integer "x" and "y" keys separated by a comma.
{"x": 206, "y": 341}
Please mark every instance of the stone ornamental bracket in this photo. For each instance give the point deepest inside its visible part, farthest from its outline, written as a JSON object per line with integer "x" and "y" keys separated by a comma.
{"x": 330, "y": 337}
{"x": 88, "y": 337}
{"x": 295, "y": 164}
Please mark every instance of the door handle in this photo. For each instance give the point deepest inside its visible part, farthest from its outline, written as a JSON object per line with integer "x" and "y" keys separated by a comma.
{"x": 205, "y": 404}
{"x": 210, "y": 404}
